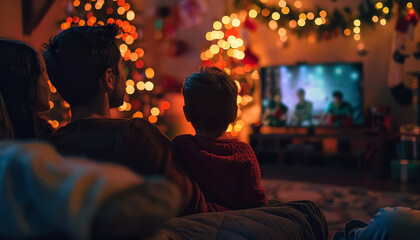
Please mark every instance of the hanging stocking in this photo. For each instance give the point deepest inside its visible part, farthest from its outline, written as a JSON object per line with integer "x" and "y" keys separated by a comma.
{"x": 404, "y": 31}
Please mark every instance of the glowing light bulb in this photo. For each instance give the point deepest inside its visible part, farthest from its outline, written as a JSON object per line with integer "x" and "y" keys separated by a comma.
{"x": 282, "y": 31}
{"x": 282, "y": 3}
{"x": 273, "y": 25}
{"x": 129, "y": 82}
{"x": 149, "y": 86}
{"x": 150, "y": 73}
{"x": 214, "y": 49}
{"x": 301, "y": 22}
{"x": 130, "y": 89}
{"x": 285, "y": 10}
{"x": 88, "y": 7}
{"x": 347, "y": 32}
{"x": 226, "y": 20}
{"x": 155, "y": 111}
{"x": 140, "y": 86}
{"x": 298, "y": 4}
{"x": 379, "y": 5}
{"x": 375, "y": 19}
{"x": 275, "y": 16}
{"x": 217, "y": 25}
{"x": 236, "y": 22}
{"x": 383, "y": 22}
{"x": 129, "y": 40}
{"x": 131, "y": 15}
{"x": 152, "y": 119}
{"x": 310, "y": 15}
{"x": 252, "y": 13}
{"x": 138, "y": 115}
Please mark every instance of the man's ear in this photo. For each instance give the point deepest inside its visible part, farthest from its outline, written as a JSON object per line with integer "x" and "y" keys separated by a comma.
{"x": 187, "y": 114}
{"x": 108, "y": 79}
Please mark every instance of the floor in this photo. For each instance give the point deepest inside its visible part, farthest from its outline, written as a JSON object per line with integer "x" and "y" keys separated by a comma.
{"x": 342, "y": 194}
{"x": 337, "y": 176}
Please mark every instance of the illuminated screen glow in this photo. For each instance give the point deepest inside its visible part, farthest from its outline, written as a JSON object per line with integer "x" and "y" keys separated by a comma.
{"x": 280, "y": 86}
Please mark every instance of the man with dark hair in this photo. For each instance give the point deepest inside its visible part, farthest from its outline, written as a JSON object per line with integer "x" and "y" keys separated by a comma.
{"x": 227, "y": 170}
{"x": 339, "y": 112}
{"x": 85, "y": 65}
{"x": 303, "y": 110}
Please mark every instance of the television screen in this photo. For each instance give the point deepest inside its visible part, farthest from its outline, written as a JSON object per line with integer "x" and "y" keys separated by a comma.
{"x": 312, "y": 95}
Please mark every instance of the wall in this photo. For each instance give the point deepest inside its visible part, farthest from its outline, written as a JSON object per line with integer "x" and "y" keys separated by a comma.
{"x": 11, "y": 22}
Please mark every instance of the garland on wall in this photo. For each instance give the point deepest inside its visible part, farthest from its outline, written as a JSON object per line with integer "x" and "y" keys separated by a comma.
{"x": 144, "y": 99}
{"x": 317, "y": 24}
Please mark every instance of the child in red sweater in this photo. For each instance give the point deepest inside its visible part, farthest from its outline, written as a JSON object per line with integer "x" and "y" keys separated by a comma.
{"x": 227, "y": 171}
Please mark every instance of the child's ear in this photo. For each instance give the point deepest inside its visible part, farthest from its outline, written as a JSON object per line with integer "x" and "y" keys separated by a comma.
{"x": 108, "y": 79}
{"x": 187, "y": 114}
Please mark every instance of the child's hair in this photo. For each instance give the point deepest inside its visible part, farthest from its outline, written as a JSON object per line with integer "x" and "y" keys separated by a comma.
{"x": 6, "y": 130}
{"x": 211, "y": 99}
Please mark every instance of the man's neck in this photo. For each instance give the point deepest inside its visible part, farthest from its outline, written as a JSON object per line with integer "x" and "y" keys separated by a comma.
{"x": 97, "y": 109}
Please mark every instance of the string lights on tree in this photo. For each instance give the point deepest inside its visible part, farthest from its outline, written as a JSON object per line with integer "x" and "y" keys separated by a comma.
{"x": 143, "y": 99}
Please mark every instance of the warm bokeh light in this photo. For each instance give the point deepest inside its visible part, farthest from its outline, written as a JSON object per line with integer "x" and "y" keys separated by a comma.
{"x": 275, "y": 16}
{"x": 252, "y": 13}
{"x": 347, "y": 32}
{"x": 152, "y": 119}
{"x": 138, "y": 115}
{"x": 140, "y": 86}
{"x": 130, "y": 89}
{"x": 149, "y": 86}
{"x": 150, "y": 73}
{"x": 130, "y": 15}
{"x": 285, "y": 10}
{"x": 282, "y": 3}
{"x": 155, "y": 111}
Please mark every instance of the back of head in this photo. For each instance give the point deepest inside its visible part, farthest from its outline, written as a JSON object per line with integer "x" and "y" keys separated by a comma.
{"x": 19, "y": 75}
{"x": 76, "y": 59}
{"x": 210, "y": 100}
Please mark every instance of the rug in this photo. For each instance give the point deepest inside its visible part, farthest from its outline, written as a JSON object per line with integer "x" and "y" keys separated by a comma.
{"x": 339, "y": 204}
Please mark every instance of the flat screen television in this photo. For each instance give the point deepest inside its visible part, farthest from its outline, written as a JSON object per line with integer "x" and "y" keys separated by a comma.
{"x": 312, "y": 95}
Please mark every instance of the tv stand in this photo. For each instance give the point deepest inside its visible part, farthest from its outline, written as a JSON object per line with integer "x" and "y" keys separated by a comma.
{"x": 316, "y": 146}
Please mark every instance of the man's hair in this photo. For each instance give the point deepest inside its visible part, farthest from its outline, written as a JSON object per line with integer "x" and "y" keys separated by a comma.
{"x": 211, "y": 99}
{"x": 76, "y": 59}
{"x": 338, "y": 94}
{"x": 301, "y": 91}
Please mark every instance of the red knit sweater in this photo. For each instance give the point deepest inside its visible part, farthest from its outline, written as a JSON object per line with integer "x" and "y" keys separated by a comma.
{"x": 227, "y": 171}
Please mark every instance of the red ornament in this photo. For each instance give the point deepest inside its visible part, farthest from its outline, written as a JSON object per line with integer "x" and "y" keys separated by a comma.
{"x": 250, "y": 58}
{"x": 250, "y": 24}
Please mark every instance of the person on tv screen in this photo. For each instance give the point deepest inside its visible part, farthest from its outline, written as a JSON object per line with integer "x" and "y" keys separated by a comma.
{"x": 339, "y": 112}
{"x": 276, "y": 112}
{"x": 303, "y": 110}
